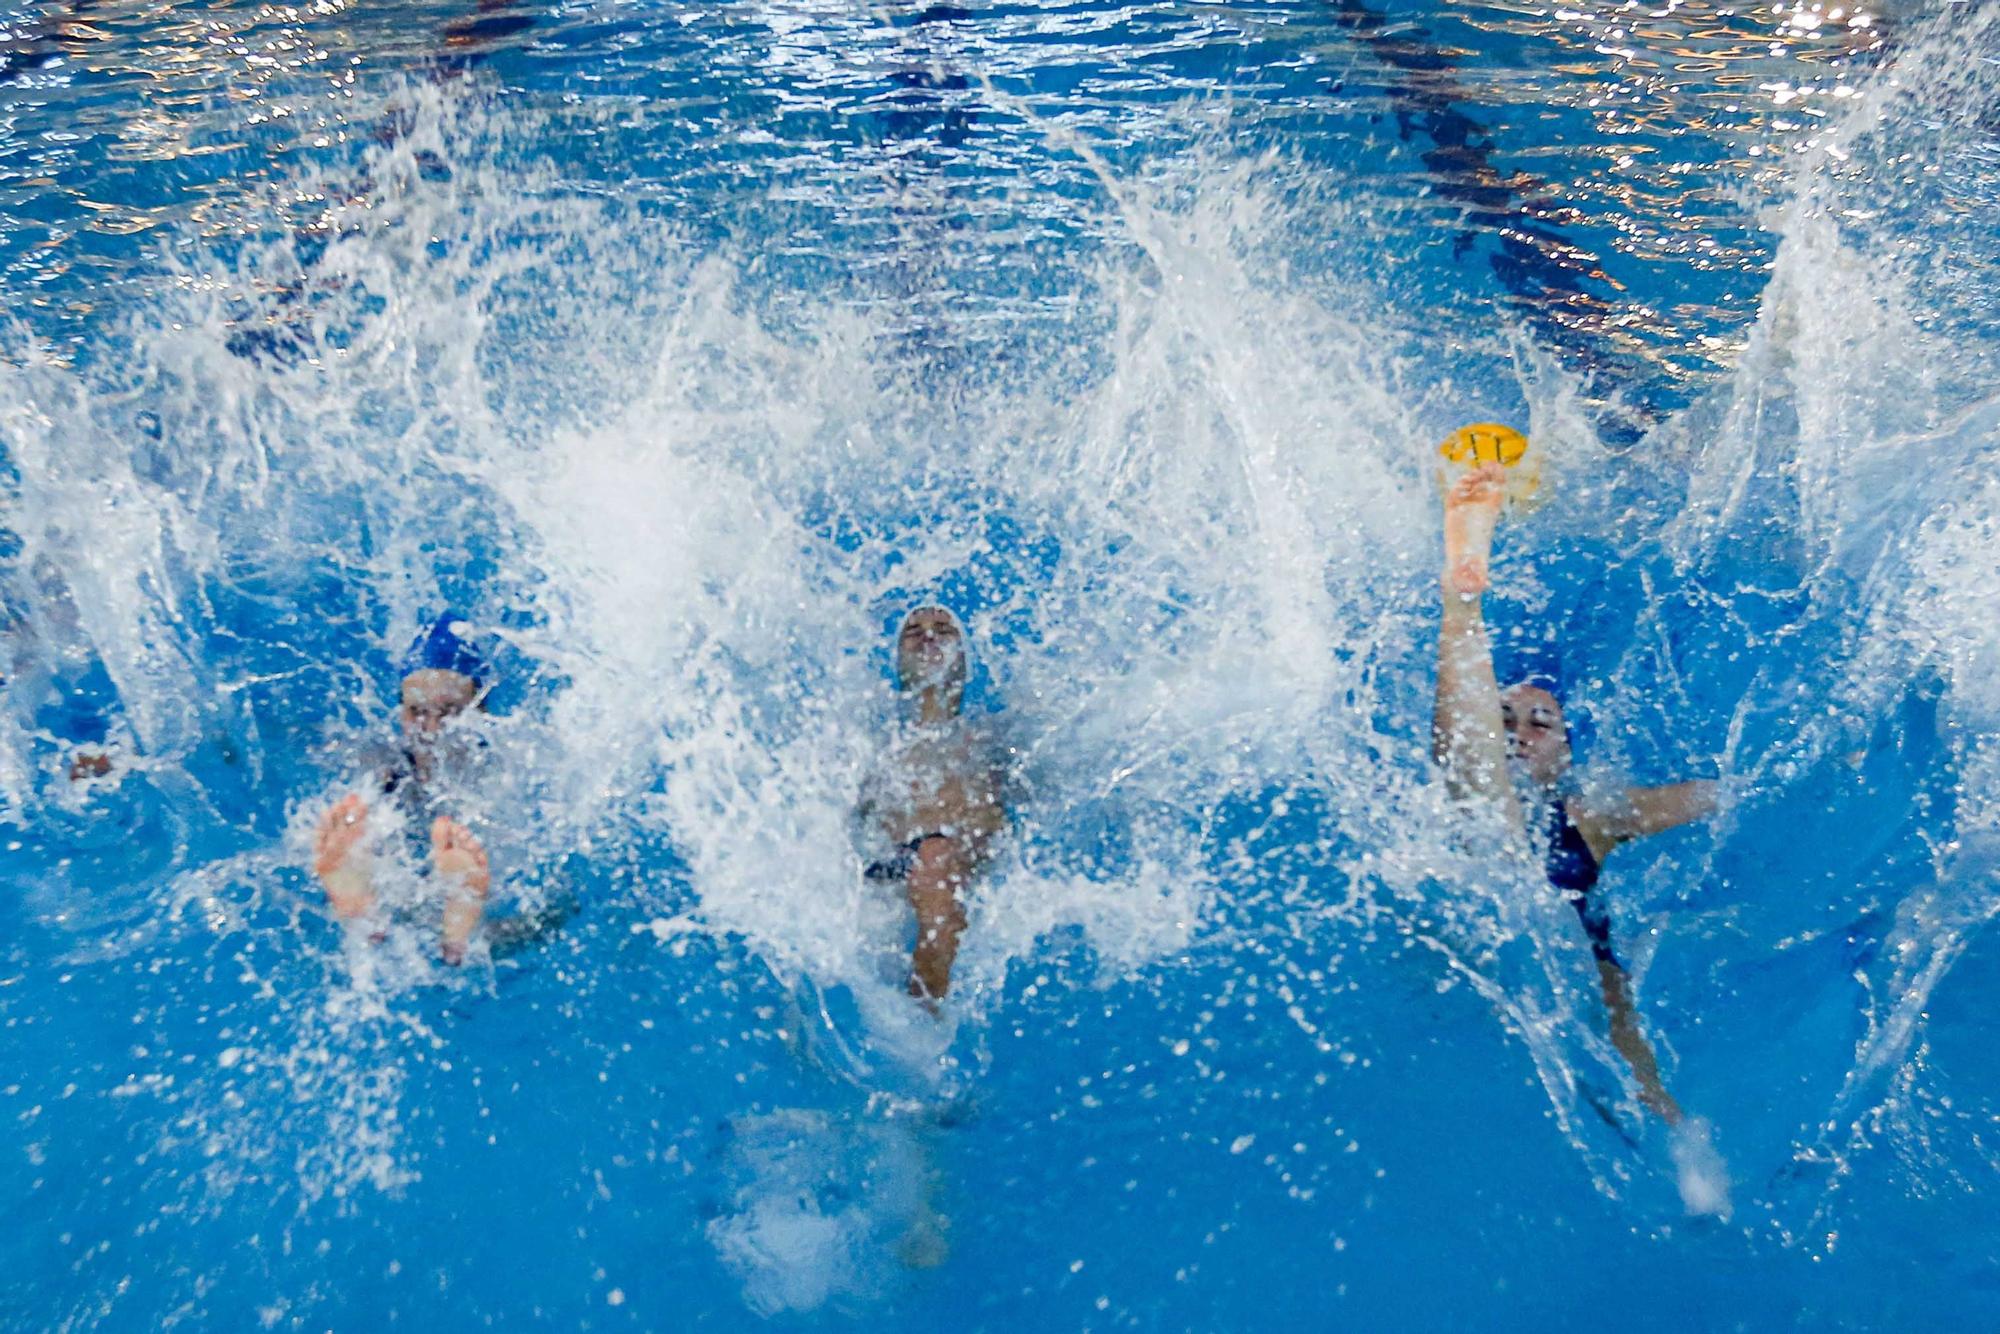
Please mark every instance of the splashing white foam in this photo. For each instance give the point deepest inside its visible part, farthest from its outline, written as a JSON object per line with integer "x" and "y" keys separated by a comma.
{"x": 1701, "y": 1173}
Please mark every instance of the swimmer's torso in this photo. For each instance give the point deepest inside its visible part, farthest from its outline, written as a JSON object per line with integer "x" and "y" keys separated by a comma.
{"x": 421, "y": 786}
{"x": 939, "y": 780}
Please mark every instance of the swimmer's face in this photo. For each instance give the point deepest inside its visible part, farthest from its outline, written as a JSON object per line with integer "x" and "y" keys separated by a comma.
{"x": 1537, "y": 735}
{"x": 432, "y": 697}
{"x": 930, "y": 652}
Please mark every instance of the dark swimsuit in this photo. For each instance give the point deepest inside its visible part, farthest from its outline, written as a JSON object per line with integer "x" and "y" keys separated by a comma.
{"x": 507, "y": 935}
{"x": 401, "y": 770}
{"x": 897, "y": 866}
{"x": 1573, "y": 869}
{"x": 400, "y": 783}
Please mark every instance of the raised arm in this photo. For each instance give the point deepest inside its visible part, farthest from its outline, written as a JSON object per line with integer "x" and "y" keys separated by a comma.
{"x": 1468, "y": 738}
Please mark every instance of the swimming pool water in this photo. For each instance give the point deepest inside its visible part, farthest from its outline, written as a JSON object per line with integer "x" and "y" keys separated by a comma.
{"x": 683, "y": 348}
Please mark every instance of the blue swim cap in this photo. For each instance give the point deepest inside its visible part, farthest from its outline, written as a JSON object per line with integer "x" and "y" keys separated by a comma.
{"x": 1541, "y": 681}
{"x": 440, "y": 649}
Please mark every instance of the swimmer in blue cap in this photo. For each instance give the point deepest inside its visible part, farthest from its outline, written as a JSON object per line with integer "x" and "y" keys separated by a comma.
{"x": 443, "y": 677}
{"x": 938, "y": 805}
{"x": 1512, "y": 748}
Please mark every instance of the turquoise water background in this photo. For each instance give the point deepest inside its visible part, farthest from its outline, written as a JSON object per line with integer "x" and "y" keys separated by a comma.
{"x": 682, "y": 348}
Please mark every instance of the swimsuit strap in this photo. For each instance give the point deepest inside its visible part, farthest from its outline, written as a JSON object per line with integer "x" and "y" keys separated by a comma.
{"x": 1573, "y": 868}
{"x": 898, "y": 866}
{"x": 1570, "y": 863}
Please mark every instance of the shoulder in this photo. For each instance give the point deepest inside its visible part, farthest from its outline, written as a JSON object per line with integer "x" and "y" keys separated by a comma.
{"x": 1596, "y": 817}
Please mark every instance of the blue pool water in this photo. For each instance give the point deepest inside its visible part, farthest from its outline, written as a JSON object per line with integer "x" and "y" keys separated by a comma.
{"x": 682, "y": 349}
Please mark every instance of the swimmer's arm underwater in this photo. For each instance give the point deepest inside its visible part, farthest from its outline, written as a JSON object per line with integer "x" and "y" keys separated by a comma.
{"x": 1641, "y": 812}
{"x": 513, "y": 935}
{"x": 1654, "y": 810}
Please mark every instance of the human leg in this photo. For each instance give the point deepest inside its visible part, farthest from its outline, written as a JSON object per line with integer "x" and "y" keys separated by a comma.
{"x": 938, "y": 875}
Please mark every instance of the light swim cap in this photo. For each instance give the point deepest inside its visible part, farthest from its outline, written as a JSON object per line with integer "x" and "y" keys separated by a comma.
{"x": 958, "y": 672}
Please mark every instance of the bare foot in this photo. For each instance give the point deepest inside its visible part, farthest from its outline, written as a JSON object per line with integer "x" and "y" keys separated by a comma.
{"x": 1471, "y": 511}
{"x": 340, "y": 861}
{"x": 460, "y": 862}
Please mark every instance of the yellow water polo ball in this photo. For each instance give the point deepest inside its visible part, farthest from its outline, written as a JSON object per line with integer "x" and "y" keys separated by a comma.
{"x": 1485, "y": 442}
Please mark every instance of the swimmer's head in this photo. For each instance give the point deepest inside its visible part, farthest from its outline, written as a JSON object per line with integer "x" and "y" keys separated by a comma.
{"x": 1537, "y": 732}
{"x": 930, "y": 655}
{"x": 442, "y": 677}
{"x": 432, "y": 697}
{"x": 442, "y": 647}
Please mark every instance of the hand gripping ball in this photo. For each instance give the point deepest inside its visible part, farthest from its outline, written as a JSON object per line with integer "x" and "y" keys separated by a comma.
{"x": 1490, "y": 442}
